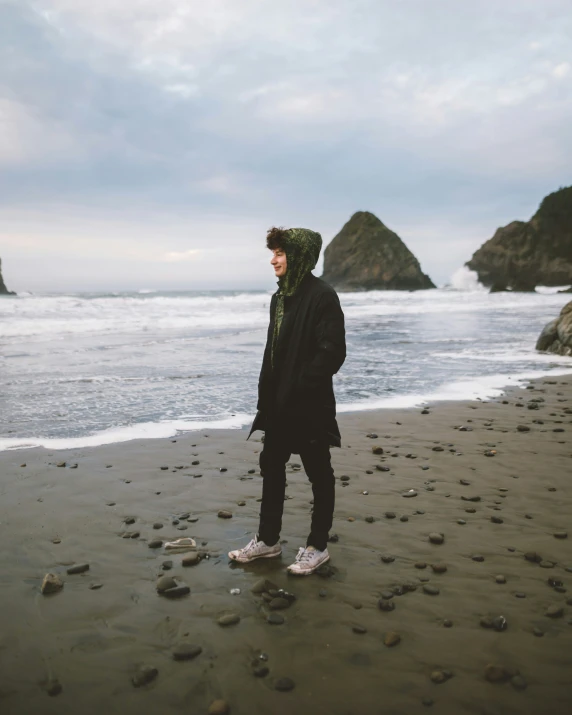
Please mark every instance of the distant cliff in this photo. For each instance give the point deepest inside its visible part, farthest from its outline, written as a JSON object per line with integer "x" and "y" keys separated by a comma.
{"x": 366, "y": 255}
{"x": 3, "y": 289}
{"x": 523, "y": 254}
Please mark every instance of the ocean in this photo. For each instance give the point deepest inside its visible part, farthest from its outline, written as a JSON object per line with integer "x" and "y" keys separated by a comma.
{"x": 85, "y": 369}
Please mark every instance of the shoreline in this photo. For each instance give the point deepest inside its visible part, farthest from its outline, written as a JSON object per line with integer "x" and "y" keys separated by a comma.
{"x": 494, "y": 387}
{"x": 92, "y": 640}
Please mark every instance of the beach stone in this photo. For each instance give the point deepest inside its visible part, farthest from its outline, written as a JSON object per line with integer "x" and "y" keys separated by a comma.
{"x": 95, "y": 586}
{"x": 388, "y": 559}
{"x": 369, "y": 519}
{"x": 387, "y": 594}
{"x": 322, "y": 593}
{"x": 518, "y": 682}
{"x": 430, "y": 590}
{"x": 177, "y": 591}
{"x": 61, "y": 464}
{"x": 554, "y": 612}
{"x": 56, "y": 540}
{"x": 263, "y": 585}
{"x": 420, "y": 565}
{"x": 385, "y": 605}
{"x": 390, "y": 515}
{"x": 260, "y": 671}
{"x": 351, "y": 518}
{"x": 229, "y": 619}
{"x": 359, "y": 629}
{"x": 284, "y": 684}
{"x": 164, "y": 583}
{"x": 157, "y": 525}
{"x": 377, "y": 450}
{"x": 436, "y": 537}
{"x": 77, "y": 568}
{"x": 392, "y": 638}
{"x": 155, "y": 544}
{"x": 382, "y": 468}
{"x": 191, "y": 559}
{"x": 439, "y": 568}
{"x": 500, "y": 579}
{"x": 438, "y": 449}
{"x": 409, "y": 494}
{"x": 53, "y": 687}
{"x": 219, "y": 707}
{"x": 473, "y": 499}
{"x": 538, "y": 632}
{"x": 404, "y": 517}
{"x": 224, "y": 514}
{"x": 372, "y": 435}
{"x": 278, "y": 604}
{"x": 275, "y": 619}
{"x": 533, "y": 557}
{"x": 186, "y": 651}
{"x": 462, "y": 522}
{"x": 560, "y": 534}
{"x": 477, "y": 557}
{"x": 499, "y": 623}
{"x": 520, "y": 594}
{"x": 130, "y": 520}
{"x": 496, "y": 673}
{"x": 497, "y": 520}
{"x": 145, "y": 675}
{"x": 470, "y": 510}
{"x": 438, "y": 676}
{"x": 52, "y": 583}
{"x": 448, "y": 623}
{"x": 486, "y": 622}
{"x": 546, "y": 564}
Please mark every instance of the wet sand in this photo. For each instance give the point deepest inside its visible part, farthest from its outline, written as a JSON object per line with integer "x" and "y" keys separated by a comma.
{"x": 91, "y": 642}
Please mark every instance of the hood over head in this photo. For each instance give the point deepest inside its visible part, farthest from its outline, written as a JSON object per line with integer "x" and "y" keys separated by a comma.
{"x": 302, "y": 248}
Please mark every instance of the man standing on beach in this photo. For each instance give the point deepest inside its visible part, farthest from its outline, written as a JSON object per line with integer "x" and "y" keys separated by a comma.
{"x": 296, "y": 406}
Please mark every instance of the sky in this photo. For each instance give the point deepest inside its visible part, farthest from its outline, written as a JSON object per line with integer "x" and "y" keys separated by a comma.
{"x": 150, "y": 144}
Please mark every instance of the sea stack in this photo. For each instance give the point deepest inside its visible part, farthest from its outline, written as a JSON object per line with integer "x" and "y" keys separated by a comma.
{"x": 3, "y": 289}
{"x": 557, "y": 334}
{"x": 366, "y": 255}
{"x": 522, "y": 254}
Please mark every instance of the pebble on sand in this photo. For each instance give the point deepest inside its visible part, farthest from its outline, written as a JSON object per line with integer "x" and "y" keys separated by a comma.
{"x": 191, "y": 559}
{"x": 155, "y": 544}
{"x": 186, "y": 651}
{"x": 284, "y": 684}
{"x": 145, "y": 675}
{"x": 224, "y": 514}
{"x": 392, "y": 638}
{"x": 219, "y": 707}
{"x": 554, "y": 612}
{"x": 77, "y": 568}
{"x": 275, "y": 619}
{"x": 52, "y": 583}
{"x": 436, "y": 537}
{"x": 53, "y": 687}
{"x": 229, "y": 619}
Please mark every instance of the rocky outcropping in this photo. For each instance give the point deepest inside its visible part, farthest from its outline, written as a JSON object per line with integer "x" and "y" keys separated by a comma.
{"x": 522, "y": 255}
{"x": 557, "y": 334}
{"x": 366, "y": 255}
{"x": 3, "y": 289}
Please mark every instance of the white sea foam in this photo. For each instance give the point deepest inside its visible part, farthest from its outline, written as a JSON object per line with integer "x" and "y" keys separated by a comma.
{"x": 146, "y": 430}
{"x": 482, "y": 388}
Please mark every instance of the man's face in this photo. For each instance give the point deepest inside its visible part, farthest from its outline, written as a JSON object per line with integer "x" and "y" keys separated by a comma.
{"x": 278, "y": 262}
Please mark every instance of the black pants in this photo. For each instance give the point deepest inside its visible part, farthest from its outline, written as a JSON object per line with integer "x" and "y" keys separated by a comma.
{"x": 315, "y": 456}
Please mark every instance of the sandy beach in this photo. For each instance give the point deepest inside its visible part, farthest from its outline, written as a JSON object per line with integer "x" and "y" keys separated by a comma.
{"x": 480, "y": 623}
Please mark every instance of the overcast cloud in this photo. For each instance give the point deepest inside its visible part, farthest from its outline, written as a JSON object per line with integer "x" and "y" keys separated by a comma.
{"x": 148, "y": 144}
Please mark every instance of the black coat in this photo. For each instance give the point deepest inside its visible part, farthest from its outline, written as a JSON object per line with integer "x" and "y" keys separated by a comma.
{"x": 298, "y": 395}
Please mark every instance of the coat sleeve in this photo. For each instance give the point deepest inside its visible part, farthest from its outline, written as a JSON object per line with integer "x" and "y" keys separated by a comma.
{"x": 330, "y": 351}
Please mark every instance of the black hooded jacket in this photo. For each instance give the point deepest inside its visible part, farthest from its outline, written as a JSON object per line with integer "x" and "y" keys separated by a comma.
{"x": 297, "y": 396}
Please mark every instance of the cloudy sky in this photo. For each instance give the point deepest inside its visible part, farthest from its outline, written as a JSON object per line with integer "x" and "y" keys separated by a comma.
{"x": 151, "y": 143}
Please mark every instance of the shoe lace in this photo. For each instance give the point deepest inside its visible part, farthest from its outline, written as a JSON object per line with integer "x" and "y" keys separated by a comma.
{"x": 304, "y": 554}
{"x": 252, "y": 544}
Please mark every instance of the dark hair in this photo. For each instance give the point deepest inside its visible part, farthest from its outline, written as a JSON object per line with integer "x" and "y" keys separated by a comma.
{"x": 276, "y": 238}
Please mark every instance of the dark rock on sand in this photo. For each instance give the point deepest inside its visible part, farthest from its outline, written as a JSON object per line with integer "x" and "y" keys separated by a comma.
{"x": 556, "y": 337}
{"x": 275, "y": 619}
{"x": 260, "y": 671}
{"x": 554, "y": 612}
{"x": 155, "y": 544}
{"x": 284, "y": 684}
{"x": 385, "y": 605}
{"x": 278, "y": 604}
{"x": 223, "y": 514}
{"x": 436, "y": 537}
{"x": 77, "y": 568}
{"x": 186, "y": 651}
{"x": 430, "y": 590}
{"x": 144, "y": 675}
{"x": 191, "y": 559}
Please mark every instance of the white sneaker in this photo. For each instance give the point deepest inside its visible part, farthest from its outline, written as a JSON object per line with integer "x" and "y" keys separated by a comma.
{"x": 255, "y": 550}
{"x": 308, "y": 560}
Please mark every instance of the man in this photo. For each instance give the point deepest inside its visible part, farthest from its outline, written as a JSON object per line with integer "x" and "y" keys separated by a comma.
{"x": 296, "y": 405}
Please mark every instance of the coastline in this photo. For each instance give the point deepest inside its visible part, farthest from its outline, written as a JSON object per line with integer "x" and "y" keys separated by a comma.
{"x": 91, "y": 640}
